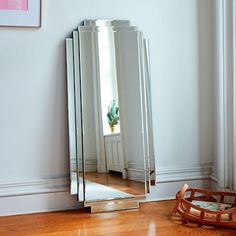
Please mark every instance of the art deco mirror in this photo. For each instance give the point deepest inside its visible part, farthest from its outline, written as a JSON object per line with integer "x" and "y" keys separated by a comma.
{"x": 109, "y": 114}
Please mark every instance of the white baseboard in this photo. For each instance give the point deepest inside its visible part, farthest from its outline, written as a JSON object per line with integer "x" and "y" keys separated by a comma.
{"x": 182, "y": 173}
{"x": 34, "y": 186}
{"x": 25, "y": 204}
{"x": 136, "y": 171}
{"x": 101, "y": 168}
{"x": 167, "y": 190}
{"x": 40, "y": 195}
{"x": 36, "y": 195}
{"x": 214, "y": 174}
{"x": 90, "y": 165}
{"x": 171, "y": 179}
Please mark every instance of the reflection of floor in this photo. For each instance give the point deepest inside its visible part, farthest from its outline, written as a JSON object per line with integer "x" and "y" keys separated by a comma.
{"x": 95, "y": 191}
{"x": 115, "y": 181}
{"x": 98, "y": 192}
{"x": 102, "y": 186}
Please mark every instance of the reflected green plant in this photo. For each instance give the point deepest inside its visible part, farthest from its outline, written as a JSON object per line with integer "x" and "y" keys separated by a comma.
{"x": 113, "y": 113}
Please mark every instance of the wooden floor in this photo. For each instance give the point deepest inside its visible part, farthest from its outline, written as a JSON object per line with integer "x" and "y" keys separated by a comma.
{"x": 151, "y": 219}
{"x": 115, "y": 181}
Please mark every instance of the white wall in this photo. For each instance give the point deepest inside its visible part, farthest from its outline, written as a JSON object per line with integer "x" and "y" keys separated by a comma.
{"x": 33, "y": 120}
{"x": 225, "y": 90}
{"x": 182, "y": 83}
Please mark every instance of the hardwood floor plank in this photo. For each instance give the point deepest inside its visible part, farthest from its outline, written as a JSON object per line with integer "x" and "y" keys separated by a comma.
{"x": 151, "y": 219}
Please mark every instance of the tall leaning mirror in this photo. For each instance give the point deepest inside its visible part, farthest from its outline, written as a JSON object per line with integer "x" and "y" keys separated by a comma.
{"x": 109, "y": 113}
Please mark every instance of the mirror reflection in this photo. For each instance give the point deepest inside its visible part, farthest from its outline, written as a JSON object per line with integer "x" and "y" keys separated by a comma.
{"x": 109, "y": 111}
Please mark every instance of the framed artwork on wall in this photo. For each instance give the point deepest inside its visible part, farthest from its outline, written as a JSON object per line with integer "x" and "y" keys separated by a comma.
{"x": 20, "y": 13}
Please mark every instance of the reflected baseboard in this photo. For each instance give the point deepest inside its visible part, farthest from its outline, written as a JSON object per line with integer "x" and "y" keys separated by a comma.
{"x": 101, "y": 168}
{"x": 90, "y": 165}
{"x": 136, "y": 171}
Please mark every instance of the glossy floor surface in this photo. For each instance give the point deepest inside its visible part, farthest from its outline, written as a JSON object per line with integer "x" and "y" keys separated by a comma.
{"x": 114, "y": 180}
{"x": 151, "y": 219}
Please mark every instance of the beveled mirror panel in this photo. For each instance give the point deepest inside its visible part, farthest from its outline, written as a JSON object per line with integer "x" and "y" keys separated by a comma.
{"x": 109, "y": 111}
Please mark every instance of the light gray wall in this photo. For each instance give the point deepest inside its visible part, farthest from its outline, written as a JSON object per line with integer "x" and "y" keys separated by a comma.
{"x": 181, "y": 57}
{"x": 33, "y": 120}
{"x": 224, "y": 94}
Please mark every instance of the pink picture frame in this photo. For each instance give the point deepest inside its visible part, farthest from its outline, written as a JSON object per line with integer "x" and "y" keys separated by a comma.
{"x": 20, "y": 13}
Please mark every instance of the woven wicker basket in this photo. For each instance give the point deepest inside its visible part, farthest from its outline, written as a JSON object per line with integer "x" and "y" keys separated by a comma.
{"x": 190, "y": 212}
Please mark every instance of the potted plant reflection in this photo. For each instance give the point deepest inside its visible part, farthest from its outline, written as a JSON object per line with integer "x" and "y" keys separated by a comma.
{"x": 113, "y": 116}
